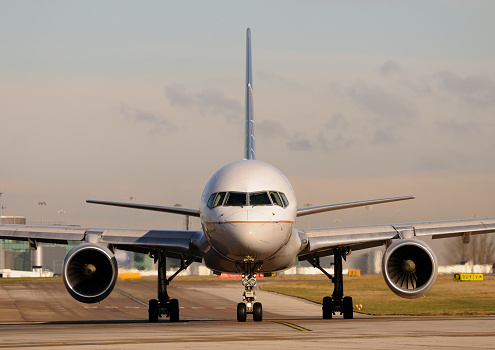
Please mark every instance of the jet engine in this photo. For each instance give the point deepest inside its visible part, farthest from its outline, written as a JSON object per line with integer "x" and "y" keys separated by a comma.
{"x": 90, "y": 272}
{"x": 409, "y": 267}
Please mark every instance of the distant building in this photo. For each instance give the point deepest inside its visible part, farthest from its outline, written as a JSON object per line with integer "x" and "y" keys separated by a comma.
{"x": 13, "y": 220}
{"x": 16, "y": 255}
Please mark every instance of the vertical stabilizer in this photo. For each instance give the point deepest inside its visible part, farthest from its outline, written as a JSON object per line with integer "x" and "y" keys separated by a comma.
{"x": 249, "y": 151}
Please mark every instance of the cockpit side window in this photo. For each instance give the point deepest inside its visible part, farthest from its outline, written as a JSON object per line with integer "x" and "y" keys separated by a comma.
{"x": 216, "y": 199}
{"x": 259, "y": 198}
{"x": 236, "y": 199}
{"x": 219, "y": 199}
{"x": 210, "y": 200}
{"x": 284, "y": 199}
{"x": 276, "y": 198}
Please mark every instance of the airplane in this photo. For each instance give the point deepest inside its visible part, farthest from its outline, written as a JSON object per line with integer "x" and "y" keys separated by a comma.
{"x": 248, "y": 211}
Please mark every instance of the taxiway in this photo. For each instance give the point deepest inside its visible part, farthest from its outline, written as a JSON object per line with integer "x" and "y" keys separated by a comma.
{"x": 44, "y": 315}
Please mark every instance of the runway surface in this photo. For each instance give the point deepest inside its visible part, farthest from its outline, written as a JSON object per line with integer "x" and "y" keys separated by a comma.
{"x": 43, "y": 315}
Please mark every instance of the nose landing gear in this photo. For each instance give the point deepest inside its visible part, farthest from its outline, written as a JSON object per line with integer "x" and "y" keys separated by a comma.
{"x": 249, "y": 306}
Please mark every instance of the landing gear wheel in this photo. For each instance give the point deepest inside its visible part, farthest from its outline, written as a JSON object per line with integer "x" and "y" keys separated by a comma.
{"x": 174, "y": 310}
{"x": 348, "y": 308}
{"x": 241, "y": 312}
{"x": 257, "y": 312}
{"x": 327, "y": 308}
{"x": 153, "y": 310}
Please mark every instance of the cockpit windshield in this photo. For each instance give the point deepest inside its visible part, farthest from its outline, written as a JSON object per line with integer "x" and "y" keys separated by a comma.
{"x": 259, "y": 198}
{"x": 241, "y": 199}
{"x": 235, "y": 199}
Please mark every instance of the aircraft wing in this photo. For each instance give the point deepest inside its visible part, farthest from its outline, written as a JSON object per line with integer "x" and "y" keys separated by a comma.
{"x": 322, "y": 241}
{"x": 163, "y": 209}
{"x": 331, "y": 207}
{"x": 175, "y": 242}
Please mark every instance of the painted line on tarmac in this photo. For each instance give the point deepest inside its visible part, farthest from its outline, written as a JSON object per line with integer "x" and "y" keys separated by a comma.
{"x": 145, "y": 304}
{"x": 145, "y": 307}
{"x": 294, "y": 326}
{"x": 139, "y": 301}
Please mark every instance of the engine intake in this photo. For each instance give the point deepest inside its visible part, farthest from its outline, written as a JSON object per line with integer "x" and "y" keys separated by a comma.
{"x": 90, "y": 272}
{"x": 409, "y": 267}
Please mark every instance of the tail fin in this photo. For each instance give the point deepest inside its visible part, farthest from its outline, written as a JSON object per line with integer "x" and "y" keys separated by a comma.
{"x": 249, "y": 149}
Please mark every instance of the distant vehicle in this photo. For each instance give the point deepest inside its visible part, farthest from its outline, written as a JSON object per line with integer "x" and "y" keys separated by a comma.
{"x": 248, "y": 212}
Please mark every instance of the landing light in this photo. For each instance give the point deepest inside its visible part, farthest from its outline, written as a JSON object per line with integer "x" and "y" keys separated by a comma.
{"x": 248, "y": 305}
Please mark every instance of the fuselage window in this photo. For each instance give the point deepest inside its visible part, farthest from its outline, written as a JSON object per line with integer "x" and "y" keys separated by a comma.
{"x": 236, "y": 199}
{"x": 259, "y": 198}
{"x": 276, "y": 198}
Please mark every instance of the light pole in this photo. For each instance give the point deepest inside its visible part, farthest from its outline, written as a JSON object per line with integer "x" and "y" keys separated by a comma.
{"x": 61, "y": 212}
{"x": 132, "y": 198}
{"x": 41, "y": 204}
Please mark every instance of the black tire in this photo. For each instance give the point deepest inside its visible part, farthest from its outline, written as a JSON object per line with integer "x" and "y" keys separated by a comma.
{"x": 257, "y": 312}
{"x": 327, "y": 308}
{"x": 173, "y": 310}
{"x": 348, "y": 309}
{"x": 241, "y": 312}
{"x": 153, "y": 310}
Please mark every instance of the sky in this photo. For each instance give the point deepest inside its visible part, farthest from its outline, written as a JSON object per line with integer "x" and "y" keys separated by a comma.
{"x": 353, "y": 100}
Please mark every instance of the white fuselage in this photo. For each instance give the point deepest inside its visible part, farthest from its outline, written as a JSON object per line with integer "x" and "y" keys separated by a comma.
{"x": 248, "y": 211}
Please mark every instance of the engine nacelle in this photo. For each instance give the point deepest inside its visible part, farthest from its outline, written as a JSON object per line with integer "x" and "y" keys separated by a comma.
{"x": 409, "y": 267}
{"x": 90, "y": 272}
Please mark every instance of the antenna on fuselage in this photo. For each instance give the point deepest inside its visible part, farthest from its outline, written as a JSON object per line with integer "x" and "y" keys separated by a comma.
{"x": 249, "y": 149}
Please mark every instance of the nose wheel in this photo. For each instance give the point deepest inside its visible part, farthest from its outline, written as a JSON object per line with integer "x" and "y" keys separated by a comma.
{"x": 243, "y": 309}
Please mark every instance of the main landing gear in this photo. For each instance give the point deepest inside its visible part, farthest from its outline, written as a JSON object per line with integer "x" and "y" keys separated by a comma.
{"x": 164, "y": 305}
{"x": 337, "y": 302}
{"x": 249, "y": 306}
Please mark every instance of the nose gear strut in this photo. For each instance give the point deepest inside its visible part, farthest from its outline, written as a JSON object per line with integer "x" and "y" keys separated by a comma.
{"x": 249, "y": 306}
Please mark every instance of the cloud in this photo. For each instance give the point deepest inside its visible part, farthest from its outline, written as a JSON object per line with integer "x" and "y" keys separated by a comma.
{"x": 299, "y": 143}
{"x": 457, "y": 128}
{"x": 385, "y": 136}
{"x": 476, "y": 91}
{"x": 337, "y": 121}
{"x": 390, "y": 68}
{"x": 270, "y": 129}
{"x": 334, "y": 135}
{"x": 159, "y": 125}
{"x": 211, "y": 101}
{"x": 385, "y": 105}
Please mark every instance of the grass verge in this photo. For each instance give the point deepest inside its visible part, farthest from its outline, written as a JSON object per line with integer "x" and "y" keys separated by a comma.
{"x": 446, "y": 298}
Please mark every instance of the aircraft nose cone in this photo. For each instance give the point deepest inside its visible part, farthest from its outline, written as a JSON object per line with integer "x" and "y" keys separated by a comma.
{"x": 252, "y": 235}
